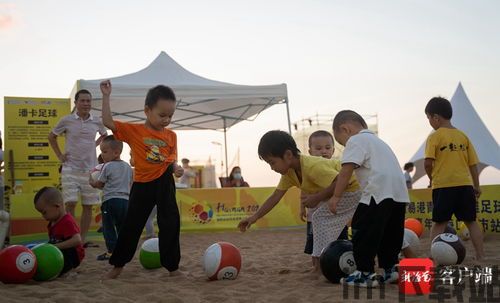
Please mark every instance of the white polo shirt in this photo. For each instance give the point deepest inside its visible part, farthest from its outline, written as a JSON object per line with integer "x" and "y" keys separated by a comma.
{"x": 80, "y": 140}
{"x": 378, "y": 170}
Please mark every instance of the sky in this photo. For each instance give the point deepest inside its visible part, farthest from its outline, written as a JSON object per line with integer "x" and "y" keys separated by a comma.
{"x": 375, "y": 57}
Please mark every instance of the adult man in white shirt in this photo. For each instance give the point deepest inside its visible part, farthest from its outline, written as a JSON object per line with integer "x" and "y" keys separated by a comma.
{"x": 80, "y": 129}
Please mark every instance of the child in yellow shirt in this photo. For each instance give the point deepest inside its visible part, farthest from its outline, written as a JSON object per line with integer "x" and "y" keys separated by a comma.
{"x": 451, "y": 164}
{"x": 313, "y": 175}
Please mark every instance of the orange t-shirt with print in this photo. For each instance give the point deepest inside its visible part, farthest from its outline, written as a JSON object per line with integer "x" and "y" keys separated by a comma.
{"x": 153, "y": 150}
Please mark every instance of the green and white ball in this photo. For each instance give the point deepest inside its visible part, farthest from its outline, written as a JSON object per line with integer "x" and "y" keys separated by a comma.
{"x": 50, "y": 262}
{"x": 150, "y": 254}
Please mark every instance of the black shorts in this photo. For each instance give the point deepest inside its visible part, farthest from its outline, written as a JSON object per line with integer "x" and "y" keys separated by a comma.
{"x": 71, "y": 259}
{"x": 309, "y": 241}
{"x": 459, "y": 200}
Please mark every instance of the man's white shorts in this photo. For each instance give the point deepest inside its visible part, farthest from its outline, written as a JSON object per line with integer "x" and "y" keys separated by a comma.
{"x": 76, "y": 182}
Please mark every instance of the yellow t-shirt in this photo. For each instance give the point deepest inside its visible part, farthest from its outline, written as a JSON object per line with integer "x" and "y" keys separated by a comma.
{"x": 453, "y": 153}
{"x": 317, "y": 174}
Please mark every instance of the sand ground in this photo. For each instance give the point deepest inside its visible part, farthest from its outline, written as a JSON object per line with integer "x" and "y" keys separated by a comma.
{"x": 274, "y": 269}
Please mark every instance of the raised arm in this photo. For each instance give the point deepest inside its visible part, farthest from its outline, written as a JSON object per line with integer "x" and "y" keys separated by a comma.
{"x": 107, "y": 118}
{"x": 263, "y": 210}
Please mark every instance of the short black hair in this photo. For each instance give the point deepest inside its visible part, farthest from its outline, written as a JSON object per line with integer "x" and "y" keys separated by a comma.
{"x": 344, "y": 116}
{"x": 439, "y": 106}
{"x": 113, "y": 143}
{"x": 321, "y": 133}
{"x": 408, "y": 165}
{"x": 159, "y": 92}
{"x": 185, "y": 160}
{"x": 53, "y": 195}
{"x": 82, "y": 91}
{"x": 275, "y": 143}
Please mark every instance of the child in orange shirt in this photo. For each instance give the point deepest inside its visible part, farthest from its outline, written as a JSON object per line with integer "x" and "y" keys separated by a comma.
{"x": 154, "y": 148}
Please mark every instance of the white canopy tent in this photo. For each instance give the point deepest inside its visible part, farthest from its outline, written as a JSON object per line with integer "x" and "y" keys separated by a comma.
{"x": 203, "y": 104}
{"x": 466, "y": 119}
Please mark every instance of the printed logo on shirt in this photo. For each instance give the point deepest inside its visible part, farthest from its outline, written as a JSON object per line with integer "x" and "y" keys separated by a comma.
{"x": 453, "y": 147}
{"x": 153, "y": 154}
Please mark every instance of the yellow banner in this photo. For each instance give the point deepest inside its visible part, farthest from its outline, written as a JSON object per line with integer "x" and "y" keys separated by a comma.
{"x": 222, "y": 209}
{"x": 212, "y": 209}
{"x": 487, "y": 208}
{"x": 30, "y": 162}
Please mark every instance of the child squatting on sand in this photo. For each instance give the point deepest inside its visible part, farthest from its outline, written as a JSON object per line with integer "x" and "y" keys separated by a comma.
{"x": 313, "y": 175}
{"x": 64, "y": 233}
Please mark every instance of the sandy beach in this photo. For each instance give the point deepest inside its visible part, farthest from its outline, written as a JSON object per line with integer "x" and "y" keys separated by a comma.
{"x": 274, "y": 270}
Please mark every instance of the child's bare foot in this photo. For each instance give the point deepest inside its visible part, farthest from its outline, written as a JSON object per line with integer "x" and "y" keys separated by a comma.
{"x": 113, "y": 274}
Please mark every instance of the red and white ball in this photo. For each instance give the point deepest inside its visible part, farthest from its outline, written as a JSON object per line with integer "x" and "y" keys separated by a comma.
{"x": 222, "y": 261}
{"x": 17, "y": 264}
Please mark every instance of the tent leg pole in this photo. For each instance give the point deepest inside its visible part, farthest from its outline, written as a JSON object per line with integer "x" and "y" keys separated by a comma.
{"x": 288, "y": 116}
{"x": 225, "y": 145}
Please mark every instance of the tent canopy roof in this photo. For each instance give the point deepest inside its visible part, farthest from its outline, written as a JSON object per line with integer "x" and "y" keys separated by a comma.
{"x": 202, "y": 103}
{"x": 467, "y": 120}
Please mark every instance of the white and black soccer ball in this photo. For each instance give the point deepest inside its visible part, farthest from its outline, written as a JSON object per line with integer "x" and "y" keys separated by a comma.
{"x": 447, "y": 249}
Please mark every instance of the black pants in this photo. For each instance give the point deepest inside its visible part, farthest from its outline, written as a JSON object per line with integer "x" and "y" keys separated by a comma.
{"x": 71, "y": 260}
{"x": 143, "y": 197}
{"x": 378, "y": 230}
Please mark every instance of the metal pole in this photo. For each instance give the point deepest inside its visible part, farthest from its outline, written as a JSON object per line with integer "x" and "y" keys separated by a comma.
{"x": 225, "y": 145}
{"x": 288, "y": 116}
